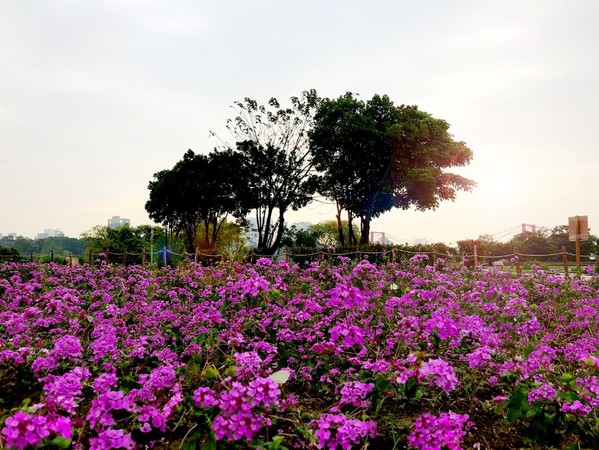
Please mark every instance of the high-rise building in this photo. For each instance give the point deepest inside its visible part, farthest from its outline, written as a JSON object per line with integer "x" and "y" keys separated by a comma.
{"x": 117, "y": 222}
{"x": 49, "y": 232}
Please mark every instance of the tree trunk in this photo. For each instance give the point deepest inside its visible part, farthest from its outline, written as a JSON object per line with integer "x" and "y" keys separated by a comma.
{"x": 206, "y": 234}
{"x": 277, "y": 239}
{"x": 364, "y": 230}
{"x": 350, "y": 229}
{"x": 340, "y": 226}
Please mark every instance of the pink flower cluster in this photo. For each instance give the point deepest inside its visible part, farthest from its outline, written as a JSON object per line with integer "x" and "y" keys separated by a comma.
{"x": 337, "y": 430}
{"x": 441, "y": 374}
{"x": 354, "y": 393}
{"x": 432, "y": 432}
{"x": 544, "y": 393}
{"x": 241, "y": 408}
{"x": 23, "y": 429}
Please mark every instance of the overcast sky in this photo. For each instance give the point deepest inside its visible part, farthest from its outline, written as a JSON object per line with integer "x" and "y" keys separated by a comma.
{"x": 97, "y": 96}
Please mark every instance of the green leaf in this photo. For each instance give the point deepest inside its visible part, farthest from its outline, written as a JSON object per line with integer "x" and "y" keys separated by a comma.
{"x": 411, "y": 388}
{"x": 211, "y": 444}
{"x": 518, "y": 406}
{"x": 59, "y": 442}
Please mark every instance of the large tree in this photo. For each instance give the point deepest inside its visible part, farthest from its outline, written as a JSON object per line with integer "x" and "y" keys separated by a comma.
{"x": 273, "y": 142}
{"x": 197, "y": 195}
{"x": 374, "y": 156}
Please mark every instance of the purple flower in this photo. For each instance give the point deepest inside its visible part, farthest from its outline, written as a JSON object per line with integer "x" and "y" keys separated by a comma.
{"x": 67, "y": 347}
{"x": 431, "y": 432}
{"x": 441, "y": 372}
{"x": 544, "y": 392}
{"x": 354, "y": 393}
{"x": 204, "y": 397}
{"x": 99, "y": 415}
{"x": 576, "y": 408}
{"x": 112, "y": 438}
{"x": 105, "y": 381}
{"x": 22, "y": 429}
{"x": 333, "y": 430}
{"x": 64, "y": 391}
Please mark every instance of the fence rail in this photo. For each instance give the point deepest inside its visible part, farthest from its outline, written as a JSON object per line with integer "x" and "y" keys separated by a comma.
{"x": 393, "y": 254}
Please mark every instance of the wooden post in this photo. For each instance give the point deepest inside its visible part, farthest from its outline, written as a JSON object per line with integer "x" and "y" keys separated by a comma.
{"x": 143, "y": 257}
{"x": 195, "y": 256}
{"x": 222, "y": 258}
{"x": 89, "y": 257}
{"x": 565, "y": 255}
{"x": 51, "y": 255}
{"x": 164, "y": 257}
{"x": 517, "y": 256}
{"x": 475, "y": 255}
{"x": 125, "y": 258}
{"x": 434, "y": 258}
{"x": 70, "y": 259}
{"x": 578, "y": 255}
{"x": 393, "y": 254}
{"x": 31, "y": 258}
{"x": 107, "y": 256}
{"x": 320, "y": 254}
{"x": 358, "y": 256}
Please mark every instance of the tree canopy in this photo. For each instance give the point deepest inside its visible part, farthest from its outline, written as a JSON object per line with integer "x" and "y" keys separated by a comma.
{"x": 277, "y": 163}
{"x": 199, "y": 190}
{"x": 374, "y": 156}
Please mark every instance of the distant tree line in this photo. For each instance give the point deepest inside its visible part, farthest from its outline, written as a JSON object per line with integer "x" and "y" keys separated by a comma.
{"x": 97, "y": 240}
{"x": 544, "y": 245}
{"x": 365, "y": 156}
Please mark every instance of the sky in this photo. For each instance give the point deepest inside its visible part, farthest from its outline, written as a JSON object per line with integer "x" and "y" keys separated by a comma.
{"x": 97, "y": 96}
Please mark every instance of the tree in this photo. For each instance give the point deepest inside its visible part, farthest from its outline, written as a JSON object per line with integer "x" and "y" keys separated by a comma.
{"x": 273, "y": 144}
{"x": 340, "y": 140}
{"x": 24, "y": 246}
{"x": 307, "y": 238}
{"x": 374, "y": 156}
{"x": 200, "y": 190}
{"x": 328, "y": 232}
{"x": 559, "y": 236}
{"x": 116, "y": 240}
{"x": 63, "y": 246}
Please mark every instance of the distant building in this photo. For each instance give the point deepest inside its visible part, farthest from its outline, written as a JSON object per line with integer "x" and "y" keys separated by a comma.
{"x": 251, "y": 236}
{"x": 49, "y": 232}
{"x": 302, "y": 226}
{"x": 117, "y": 222}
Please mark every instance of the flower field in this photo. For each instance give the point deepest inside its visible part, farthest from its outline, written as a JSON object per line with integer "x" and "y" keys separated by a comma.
{"x": 271, "y": 356}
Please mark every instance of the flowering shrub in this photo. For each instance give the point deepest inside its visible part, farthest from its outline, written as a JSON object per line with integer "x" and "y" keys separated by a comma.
{"x": 23, "y": 430}
{"x": 275, "y": 356}
{"x": 434, "y": 433}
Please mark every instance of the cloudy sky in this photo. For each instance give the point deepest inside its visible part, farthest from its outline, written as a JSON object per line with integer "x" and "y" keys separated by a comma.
{"x": 97, "y": 96}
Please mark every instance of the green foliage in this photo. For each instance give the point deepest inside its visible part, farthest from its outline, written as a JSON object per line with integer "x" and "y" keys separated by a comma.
{"x": 24, "y": 246}
{"x": 123, "y": 239}
{"x": 328, "y": 232}
{"x": 58, "y": 259}
{"x": 199, "y": 190}
{"x": 528, "y": 264}
{"x": 277, "y": 165}
{"x": 374, "y": 156}
{"x": 63, "y": 246}
{"x": 8, "y": 253}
